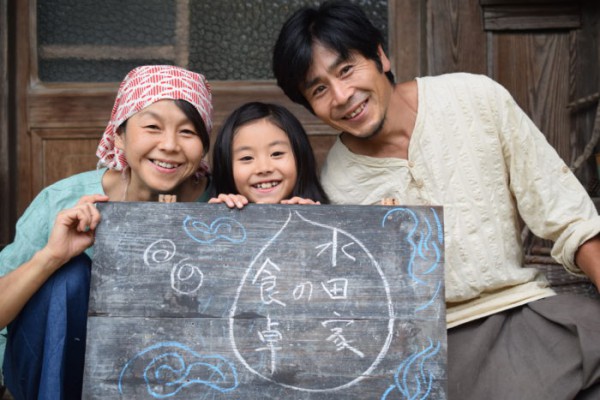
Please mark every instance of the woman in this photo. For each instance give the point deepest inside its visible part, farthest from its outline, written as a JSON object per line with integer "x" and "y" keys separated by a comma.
{"x": 154, "y": 144}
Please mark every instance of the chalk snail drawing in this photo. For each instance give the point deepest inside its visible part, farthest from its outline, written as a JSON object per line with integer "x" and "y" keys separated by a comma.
{"x": 338, "y": 272}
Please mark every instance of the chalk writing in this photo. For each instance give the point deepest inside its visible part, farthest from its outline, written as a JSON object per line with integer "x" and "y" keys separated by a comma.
{"x": 268, "y": 283}
{"x": 298, "y": 292}
{"x": 271, "y": 337}
{"x": 333, "y": 290}
{"x": 341, "y": 343}
{"x": 202, "y": 301}
{"x": 269, "y": 287}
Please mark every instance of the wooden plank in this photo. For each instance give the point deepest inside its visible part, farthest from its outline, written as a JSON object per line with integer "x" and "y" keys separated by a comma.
{"x": 519, "y": 17}
{"x": 534, "y": 67}
{"x": 273, "y": 301}
{"x": 7, "y": 148}
{"x": 407, "y": 39}
{"x": 60, "y": 153}
{"x": 456, "y": 40}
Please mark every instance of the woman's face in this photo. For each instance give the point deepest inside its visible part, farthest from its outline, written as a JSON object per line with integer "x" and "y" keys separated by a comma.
{"x": 264, "y": 167}
{"x": 162, "y": 148}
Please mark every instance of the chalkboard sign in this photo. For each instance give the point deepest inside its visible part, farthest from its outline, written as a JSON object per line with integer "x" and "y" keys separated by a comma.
{"x": 197, "y": 301}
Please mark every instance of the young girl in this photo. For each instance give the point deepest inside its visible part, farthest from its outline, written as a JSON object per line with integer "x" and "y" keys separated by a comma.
{"x": 263, "y": 155}
{"x": 154, "y": 144}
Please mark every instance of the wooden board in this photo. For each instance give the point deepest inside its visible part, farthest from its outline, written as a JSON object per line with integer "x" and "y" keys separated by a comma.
{"x": 193, "y": 300}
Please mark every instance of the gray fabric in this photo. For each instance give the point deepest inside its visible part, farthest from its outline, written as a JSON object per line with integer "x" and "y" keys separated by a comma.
{"x": 547, "y": 349}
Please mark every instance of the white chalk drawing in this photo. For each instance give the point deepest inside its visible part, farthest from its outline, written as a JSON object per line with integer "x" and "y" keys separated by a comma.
{"x": 336, "y": 288}
{"x": 159, "y": 252}
{"x": 271, "y": 337}
{"x": 337, "y": 328}
{"x": 186, "y": 278}
{"x": 337, "y": 276}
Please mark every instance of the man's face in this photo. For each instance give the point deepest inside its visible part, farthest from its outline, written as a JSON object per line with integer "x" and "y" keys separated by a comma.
{"x": 351, "y": 95}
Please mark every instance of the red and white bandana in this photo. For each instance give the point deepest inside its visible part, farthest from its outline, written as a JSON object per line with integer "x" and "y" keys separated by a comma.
{"x": 144, "y": 86}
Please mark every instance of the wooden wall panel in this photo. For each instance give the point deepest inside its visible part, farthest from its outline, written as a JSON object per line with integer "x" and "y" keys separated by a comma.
{"x": 24, "y": 192}
{"x": 456, "y": 41}
{"x": 59, "y": 153}
{"x": 585, "y": 70}
{"x": 6, "y": 149}
{"x": 427, "y": 37}
{"x": 534, "y": 67}
{"x": 408, "y": 22}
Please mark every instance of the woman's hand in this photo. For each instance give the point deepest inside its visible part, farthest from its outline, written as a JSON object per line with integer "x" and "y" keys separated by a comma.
{"x": 299, "y": 200}
{"x": 232, "y": 200}
{"x": 73, "y": 230}
{"x": 72, "y": 233}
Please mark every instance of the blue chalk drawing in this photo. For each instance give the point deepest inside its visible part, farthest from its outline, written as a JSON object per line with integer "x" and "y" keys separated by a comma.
{"x": 167, "y": 370}
{"x": 412, "y": 374}
{"x": 426, "y": 248}
{"x": 221, "y": 228}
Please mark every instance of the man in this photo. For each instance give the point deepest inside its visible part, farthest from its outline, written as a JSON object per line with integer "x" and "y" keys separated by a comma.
{"x": 460, "y": 141}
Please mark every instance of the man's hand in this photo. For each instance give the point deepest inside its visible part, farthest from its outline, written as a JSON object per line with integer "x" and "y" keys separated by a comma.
{"x": 588, "y": 259}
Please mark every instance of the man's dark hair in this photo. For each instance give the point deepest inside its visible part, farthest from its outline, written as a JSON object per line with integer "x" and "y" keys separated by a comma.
{"x": 340, "y": 26}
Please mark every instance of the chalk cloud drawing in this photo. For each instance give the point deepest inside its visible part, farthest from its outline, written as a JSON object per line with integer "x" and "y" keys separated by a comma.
{"x": 167, "y": 368}
{"x": 339, "y": 272}
{"x": 413, "y": 379}
{"x": 223, "y": 228}
{"x": 426, "y": 242}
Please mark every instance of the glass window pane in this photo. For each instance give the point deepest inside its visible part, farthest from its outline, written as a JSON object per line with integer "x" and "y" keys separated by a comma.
{"x": 100, "y": 41}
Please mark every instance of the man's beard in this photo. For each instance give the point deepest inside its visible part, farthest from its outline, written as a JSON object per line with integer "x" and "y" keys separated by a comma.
{"x": 374, "y": 132}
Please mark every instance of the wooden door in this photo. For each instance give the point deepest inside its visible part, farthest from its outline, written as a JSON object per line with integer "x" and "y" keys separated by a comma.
{"x": 546, "y": 52}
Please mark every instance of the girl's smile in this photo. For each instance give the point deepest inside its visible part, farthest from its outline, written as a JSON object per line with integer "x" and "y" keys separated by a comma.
{"x": 264, "y": 167}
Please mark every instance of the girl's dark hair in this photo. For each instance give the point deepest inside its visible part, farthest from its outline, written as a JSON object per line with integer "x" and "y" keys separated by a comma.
{"x": 193, "y": 115}
{"x": 340, "y": 26}
{"x": 307, "y": 184}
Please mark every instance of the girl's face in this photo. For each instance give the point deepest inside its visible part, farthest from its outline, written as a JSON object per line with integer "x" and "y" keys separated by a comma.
{"x": 264, "y": 167}
{"x": 162, "y": 149}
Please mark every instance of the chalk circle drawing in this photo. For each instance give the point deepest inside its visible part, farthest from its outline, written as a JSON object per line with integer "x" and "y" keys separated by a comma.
{"x": 413, "y": 379}
{"x": 167, "y": 368}
{"x": 223, "y": 228}
{"x": 426, "y": 241}
{"x": 338, "y": 283}
{"x": 159, "y": 252}
{"x": 186, "y": 278}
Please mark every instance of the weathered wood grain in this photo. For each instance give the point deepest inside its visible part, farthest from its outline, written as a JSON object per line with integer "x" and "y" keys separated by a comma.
{"x": 315, "y": 302}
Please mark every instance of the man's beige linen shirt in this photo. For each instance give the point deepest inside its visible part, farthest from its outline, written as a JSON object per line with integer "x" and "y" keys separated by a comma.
{"x": 477, "y": 154}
